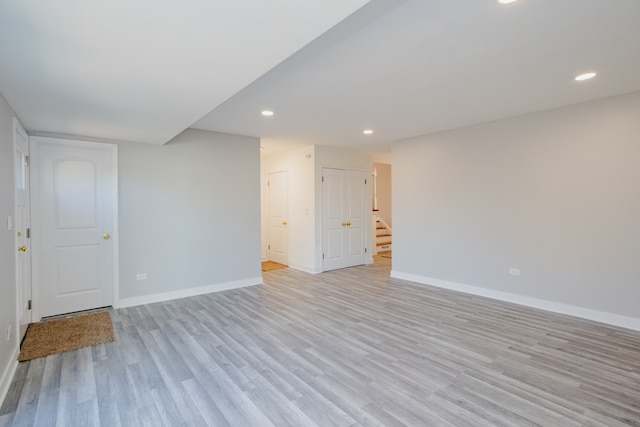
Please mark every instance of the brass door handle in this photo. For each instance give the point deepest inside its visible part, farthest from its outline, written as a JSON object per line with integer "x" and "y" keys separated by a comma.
{"x": 348, "y": 223}
{"x": 106, "y": 236}
{"x": 284, "y": 222}
{"x": 22, "y": 248}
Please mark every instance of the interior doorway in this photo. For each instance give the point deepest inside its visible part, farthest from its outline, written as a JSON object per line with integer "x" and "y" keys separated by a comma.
{"x": 382, "y": 212}
{"x": 278, "y": 206}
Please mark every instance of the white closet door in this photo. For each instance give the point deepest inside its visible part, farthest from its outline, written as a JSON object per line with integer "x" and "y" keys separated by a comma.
{"x": 344, "y": 218}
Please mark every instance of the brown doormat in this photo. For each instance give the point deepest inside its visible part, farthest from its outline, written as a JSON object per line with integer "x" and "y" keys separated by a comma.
{"x": 57, "y": 336}
{"x": 270, "y": 265}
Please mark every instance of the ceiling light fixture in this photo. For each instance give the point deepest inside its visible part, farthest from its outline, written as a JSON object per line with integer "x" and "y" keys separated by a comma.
{"x": 585, "y": 76}
{"x": 506, "y": 1}
{"x": 367, "y": 132}
{"x": 267, "y": 113}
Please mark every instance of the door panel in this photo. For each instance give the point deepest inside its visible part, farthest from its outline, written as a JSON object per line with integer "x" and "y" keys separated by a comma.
{"x": 355, "y": 216}
{"x": 75, "y": 195}
{"x": 22, "y": 226}
{"x": 333, "y": 251}
{"x": 334, "y": 184}
{"x": 355, "y": 243}
{"x": 74, "y": 280}
{"x": 332, "y": 218}
{"x": 278, "y": 211}
{"x": 75, "y": 187}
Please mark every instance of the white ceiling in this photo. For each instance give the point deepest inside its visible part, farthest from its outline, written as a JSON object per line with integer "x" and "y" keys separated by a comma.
{"x": 407, "y": 68}
{"x": 145, "y": 70}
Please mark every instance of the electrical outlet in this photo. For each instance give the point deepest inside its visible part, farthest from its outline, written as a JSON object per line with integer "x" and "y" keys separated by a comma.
{"x": 141, "y": 276}
{"x": 514, "y": 271}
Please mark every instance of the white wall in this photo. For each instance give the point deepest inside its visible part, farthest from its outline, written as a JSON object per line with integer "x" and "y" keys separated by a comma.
{"x": 555, "y": 194}
{"x": 299, "y": 165}
{"x": 189, "y": 215}
{"x": 8, "y": 348}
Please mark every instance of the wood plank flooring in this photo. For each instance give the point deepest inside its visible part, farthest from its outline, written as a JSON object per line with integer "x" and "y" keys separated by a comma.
{"x": 348, "y": 347}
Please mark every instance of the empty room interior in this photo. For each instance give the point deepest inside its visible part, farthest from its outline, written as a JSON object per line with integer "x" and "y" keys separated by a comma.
{"x": 320, "y": 213}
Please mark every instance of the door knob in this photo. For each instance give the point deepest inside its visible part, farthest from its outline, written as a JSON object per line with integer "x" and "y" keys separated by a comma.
{"x": 284, "y": 222}
{"x": 106, "y": 236}
{"x": 22, "y": 248}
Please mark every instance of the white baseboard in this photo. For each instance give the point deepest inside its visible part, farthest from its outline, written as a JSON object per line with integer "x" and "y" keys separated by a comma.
{"x": 305, "y": 268}
{"x": 8, "y": 374}
{"x": 191, "y": 292}
{"x": 555, "y": 307}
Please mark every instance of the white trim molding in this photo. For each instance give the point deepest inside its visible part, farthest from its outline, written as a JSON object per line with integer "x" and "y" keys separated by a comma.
{"x": 8, "y": 374}
{"x": 305, "y": 268}
{"x": 555, "y": 307}
{"x": 184, "y": 293}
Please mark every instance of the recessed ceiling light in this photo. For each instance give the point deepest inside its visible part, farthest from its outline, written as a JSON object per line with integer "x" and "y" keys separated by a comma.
{"x": 506, "y": 1}
{"x": 267, "y": 113}
{"x": 585, "y": 76}
{"x": 367, "y": 132}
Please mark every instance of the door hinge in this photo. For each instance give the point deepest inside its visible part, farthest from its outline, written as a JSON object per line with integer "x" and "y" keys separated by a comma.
{"x": 365, "y": 182}
{"x": 29, "y": 305}
{"x": 323, "y": 179}
{"x": 268, "y": 184}
{"x": 269, "y": 247}
{"x": 26, "y": 160}
{"x": 322, "y": 256}
{"x": 28, "y": 233}
{"x": 365, "y": 250}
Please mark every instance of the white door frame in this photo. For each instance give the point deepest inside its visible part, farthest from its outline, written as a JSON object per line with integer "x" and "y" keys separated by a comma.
{"x": 36, "y": 211}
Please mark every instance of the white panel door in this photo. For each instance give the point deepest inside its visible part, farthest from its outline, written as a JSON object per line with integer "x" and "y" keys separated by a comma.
{"x": 22, "y": 227}
{"x": 278, "y": 190}
{"x": 333, "y": 222}
{"x": 355, "y": 205}
{"x": 343, "y": 218}
{"x": 75, "y": 190}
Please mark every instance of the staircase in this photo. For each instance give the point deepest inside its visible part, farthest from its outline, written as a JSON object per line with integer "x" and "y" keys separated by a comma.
{"x": 383, "y": 233}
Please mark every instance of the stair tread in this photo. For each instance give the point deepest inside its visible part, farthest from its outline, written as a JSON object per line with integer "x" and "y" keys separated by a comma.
{"x": 383, "y": 243}
{"x": 383, "y": 235}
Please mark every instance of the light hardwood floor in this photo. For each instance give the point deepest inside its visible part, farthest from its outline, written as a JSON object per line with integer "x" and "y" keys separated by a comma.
{"x": 348, "y": 347}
